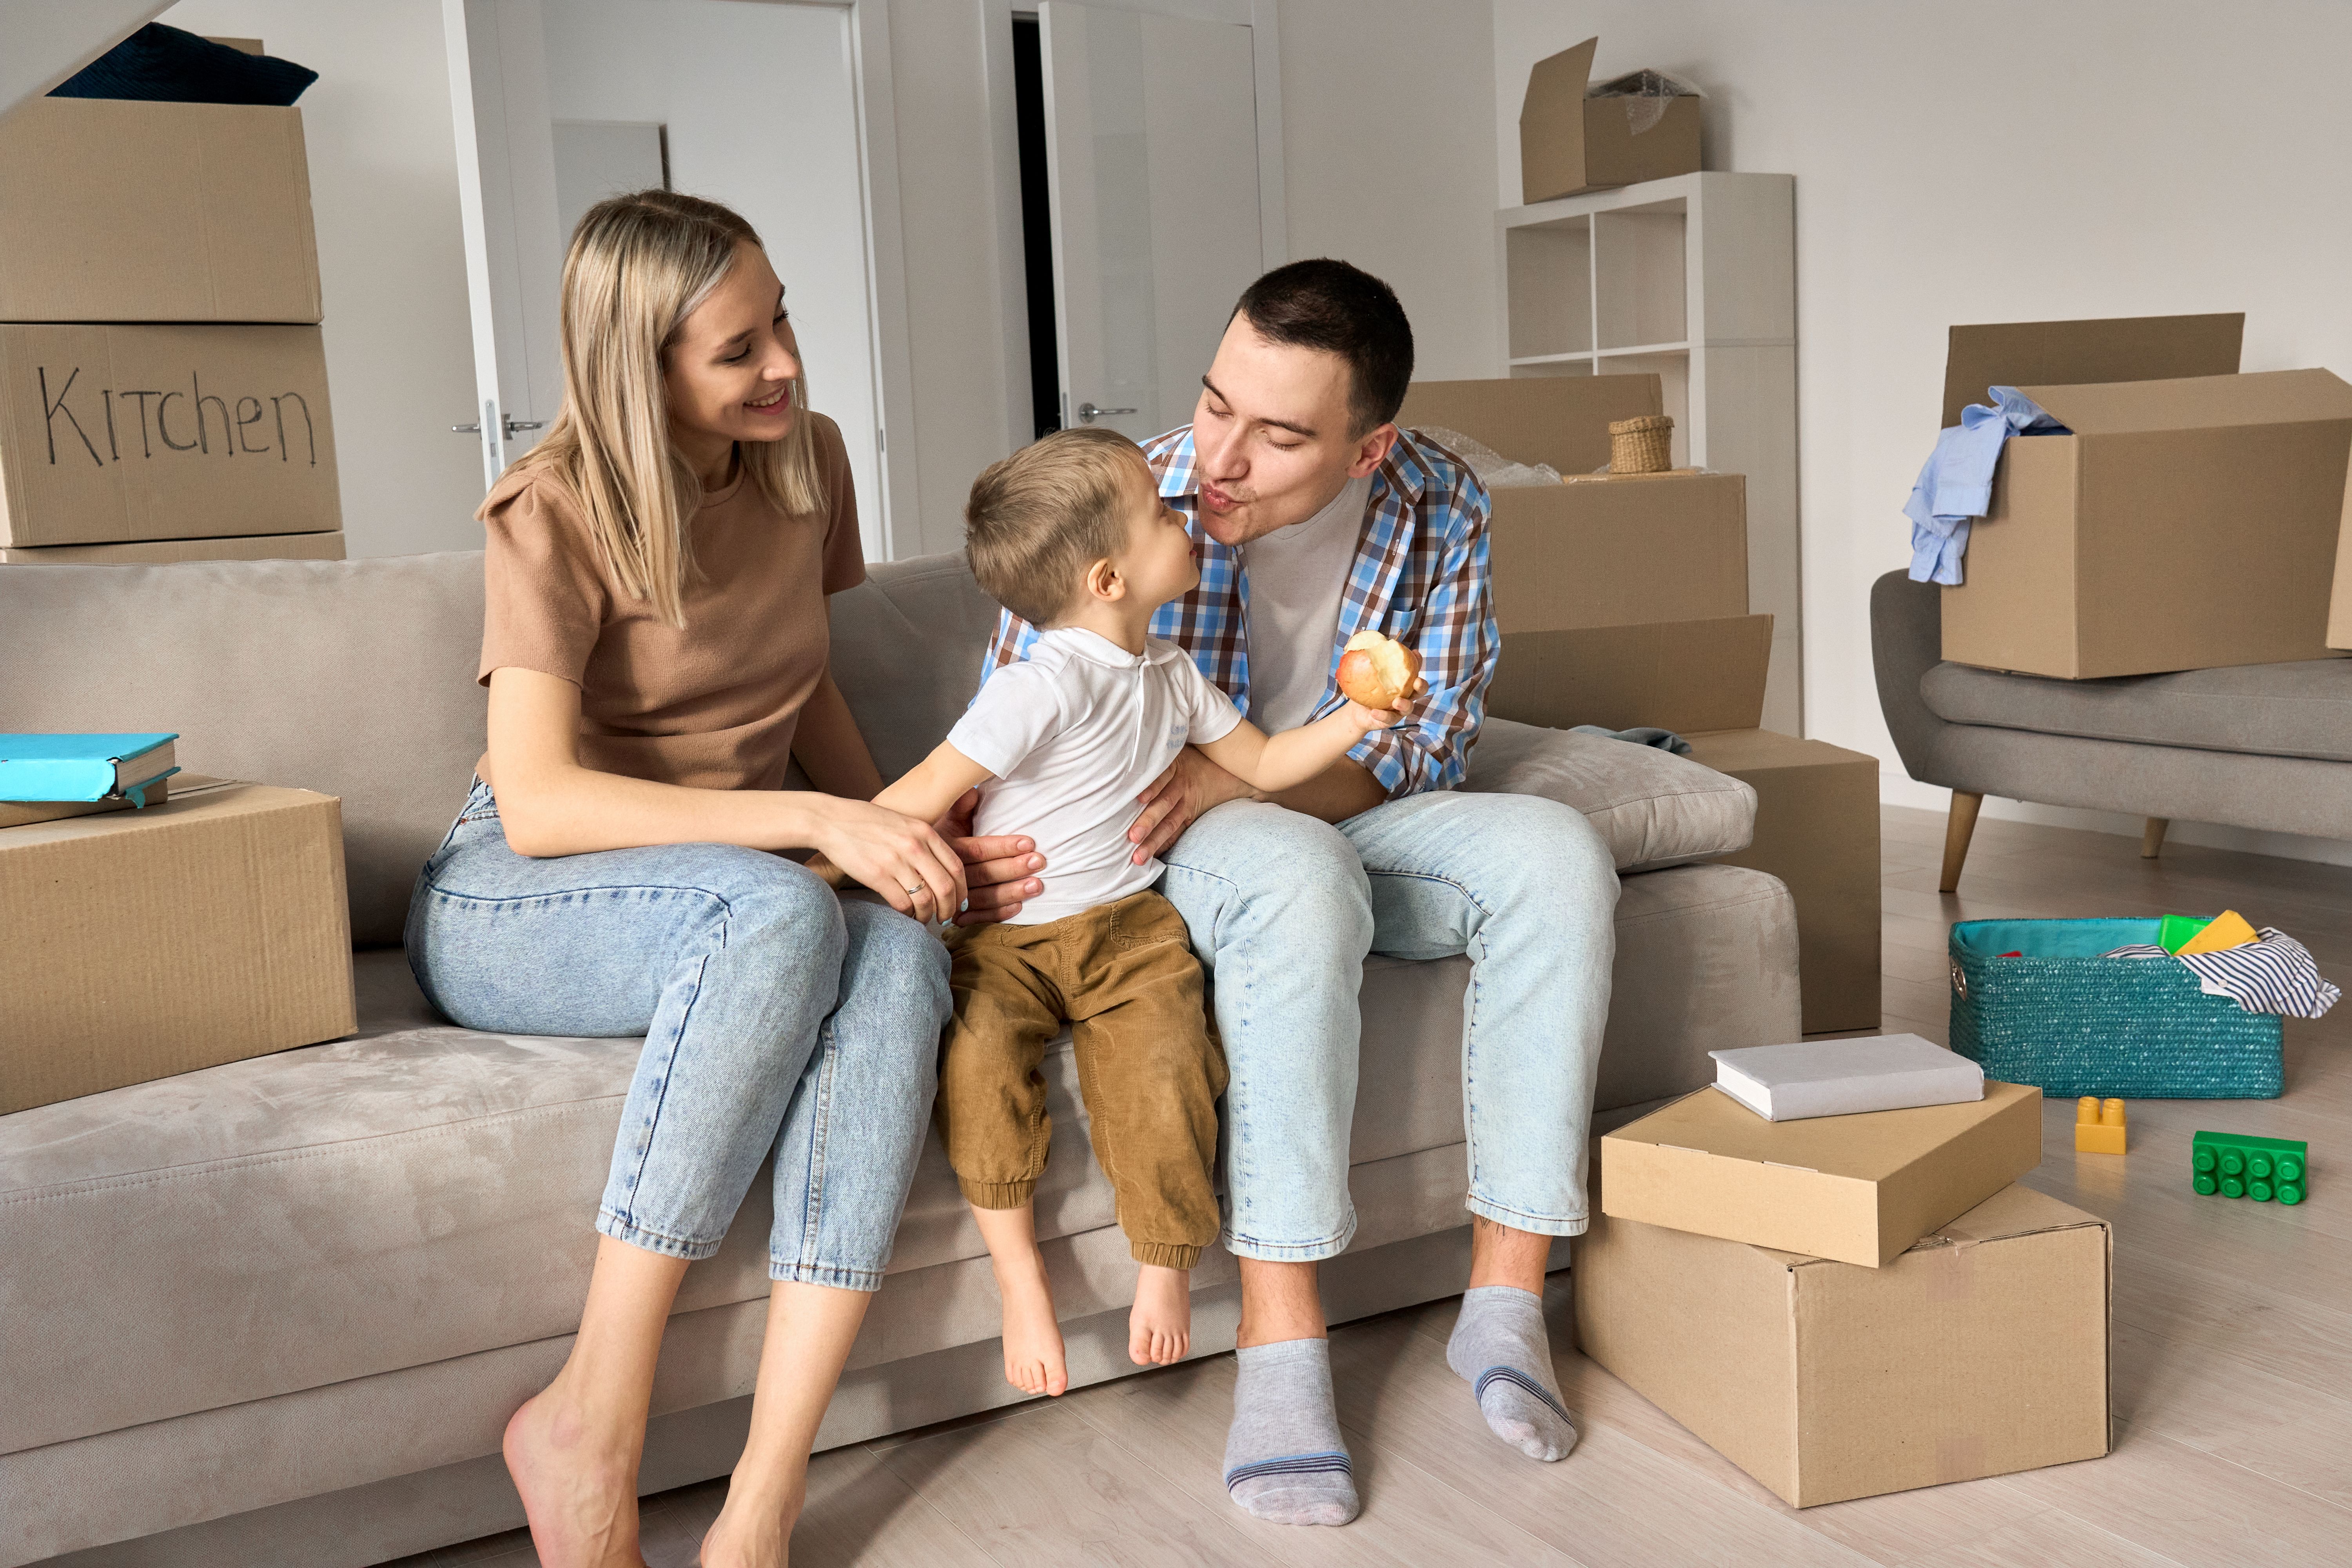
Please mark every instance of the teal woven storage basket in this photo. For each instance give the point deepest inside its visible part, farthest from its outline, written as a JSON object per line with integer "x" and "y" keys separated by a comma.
{"x": 2073, "y": 1023}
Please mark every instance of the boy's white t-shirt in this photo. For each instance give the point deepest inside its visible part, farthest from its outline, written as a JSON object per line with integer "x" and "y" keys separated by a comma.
{"x": 1074, "y": 733}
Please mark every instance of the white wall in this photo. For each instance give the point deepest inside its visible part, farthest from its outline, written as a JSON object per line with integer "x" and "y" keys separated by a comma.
{"x": 2010, "y": 161}
{"x": 384, "y": 195}
{"x": 1388, "y": 157}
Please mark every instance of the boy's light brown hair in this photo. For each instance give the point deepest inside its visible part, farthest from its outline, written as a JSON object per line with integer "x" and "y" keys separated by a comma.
{"x": 1039, "y": 518}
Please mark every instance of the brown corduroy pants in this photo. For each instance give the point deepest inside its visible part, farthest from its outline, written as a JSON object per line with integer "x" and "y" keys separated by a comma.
{"x": 1124, "y": 980}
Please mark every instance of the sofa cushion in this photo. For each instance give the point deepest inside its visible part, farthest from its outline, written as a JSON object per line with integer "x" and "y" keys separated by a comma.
{"x": 422, "y": 1192}
{"x": 1653, "y": 809}
{"x": 2300, "y": 710}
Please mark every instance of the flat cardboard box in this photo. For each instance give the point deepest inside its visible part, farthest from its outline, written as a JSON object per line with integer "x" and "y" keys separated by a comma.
{"x": 1562, "y": 420}
{"x": 1683, "y": 676}
{"x": 2190, "y": 520}
{"x": 113, "y": 433}
{"x": 114, "y": 210}
{"x": 1570, "y": 556}
{"x": 1569, "y": 142}
{"x": 166, "y": 551}
{"x": 2340, "y": 604}
{"x": 1980, "y": 357}
{"x": 137, "y": 944}
{"x": 1982, "y": 1350}
{"x": 1817, "y": 830}
{"x": 1860, "y": 1189}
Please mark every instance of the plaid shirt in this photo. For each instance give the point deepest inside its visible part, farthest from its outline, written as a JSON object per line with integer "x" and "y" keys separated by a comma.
{"x": 1420, "y": 576}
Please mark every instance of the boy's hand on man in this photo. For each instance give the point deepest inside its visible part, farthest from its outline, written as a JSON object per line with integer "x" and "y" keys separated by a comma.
{"x": 1000, "y": 872}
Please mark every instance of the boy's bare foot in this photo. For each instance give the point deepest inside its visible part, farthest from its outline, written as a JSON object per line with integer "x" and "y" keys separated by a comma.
{"x": 1160, "y": 1330}
{"x": 1033, "y": 1358}
{"x": 581, "y": 1504}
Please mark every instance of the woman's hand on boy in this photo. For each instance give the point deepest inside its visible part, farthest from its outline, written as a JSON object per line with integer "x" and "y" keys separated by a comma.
{"x": 1000, "y": 872}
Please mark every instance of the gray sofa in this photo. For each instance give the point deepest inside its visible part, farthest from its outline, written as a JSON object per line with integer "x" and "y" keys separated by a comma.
{"x": 2259, "y": 745}
{"x": 278, "y": 1312}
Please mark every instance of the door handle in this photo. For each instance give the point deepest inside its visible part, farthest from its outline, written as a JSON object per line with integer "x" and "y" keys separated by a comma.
{"x": 512, "y": 425}
{"x": 1088, "y": 413}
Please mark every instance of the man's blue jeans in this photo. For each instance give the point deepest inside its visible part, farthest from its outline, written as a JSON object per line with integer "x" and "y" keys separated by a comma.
{"x": 1282, "y": 909}
{"x": 778, "y": 1019}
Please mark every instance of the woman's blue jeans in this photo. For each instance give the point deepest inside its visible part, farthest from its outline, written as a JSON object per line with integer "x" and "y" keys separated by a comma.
{"x": 778, "y": 1019}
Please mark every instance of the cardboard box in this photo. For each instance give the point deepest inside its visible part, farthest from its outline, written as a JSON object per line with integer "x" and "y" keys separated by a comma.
{"x": 113, "y": 210}
{"x": 1565, "y": 557}
{"x": 2340, "y": 604}
{"x": 1683, "y": 676}
{"x": 165, "y": 552}
{"x": 137, "y": 944}
{"x": 1817, "y": 830}
{"x": 2186, "y": 523}
{"x": 1859, "y": 1189}
{"x": 1562, "y": 420}
{"x": 1982, "y": 1350}
{"x": 1569, "y": 142}
{"x": 111, "y": 433}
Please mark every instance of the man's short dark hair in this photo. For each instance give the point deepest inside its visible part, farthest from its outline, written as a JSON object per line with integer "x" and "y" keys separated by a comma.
{"x": 1345, "y": 310}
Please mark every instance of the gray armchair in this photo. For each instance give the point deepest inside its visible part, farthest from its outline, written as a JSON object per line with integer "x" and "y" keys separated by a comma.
{"x": 2260, "y": 745}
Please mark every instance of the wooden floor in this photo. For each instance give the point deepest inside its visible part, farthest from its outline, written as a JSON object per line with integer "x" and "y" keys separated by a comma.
{"x": 2232, "y": 1376}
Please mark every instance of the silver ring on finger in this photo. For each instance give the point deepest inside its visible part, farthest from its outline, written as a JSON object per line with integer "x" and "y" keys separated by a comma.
{"x": 917, "y": 892}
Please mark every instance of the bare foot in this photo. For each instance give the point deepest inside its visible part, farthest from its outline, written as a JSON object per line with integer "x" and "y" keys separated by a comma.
{"x": 581, "y": 1504}
{"x": 1033, "y": 1358}
{"x": 747, "y": 1534}
{"x": 1160, "y": 1330}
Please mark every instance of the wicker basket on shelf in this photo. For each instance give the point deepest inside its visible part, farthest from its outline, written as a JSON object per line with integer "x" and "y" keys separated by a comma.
{"x": 1642, "y": 445}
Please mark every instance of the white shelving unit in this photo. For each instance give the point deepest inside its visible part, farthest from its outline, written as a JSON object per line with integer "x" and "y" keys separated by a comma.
{"x": 1695, "y": 279}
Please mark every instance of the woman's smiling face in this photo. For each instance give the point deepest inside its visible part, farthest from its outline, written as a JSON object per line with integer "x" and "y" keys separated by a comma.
{"x": 729, "y": 373}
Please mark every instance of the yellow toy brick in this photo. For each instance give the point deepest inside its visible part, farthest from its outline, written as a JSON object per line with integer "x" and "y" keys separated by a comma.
{"x": 2229, "y": 929}
{"x": 2098, "y": 1129}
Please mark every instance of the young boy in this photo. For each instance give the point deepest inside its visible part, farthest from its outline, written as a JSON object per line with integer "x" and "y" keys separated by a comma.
{"x": 1070, "y": 534}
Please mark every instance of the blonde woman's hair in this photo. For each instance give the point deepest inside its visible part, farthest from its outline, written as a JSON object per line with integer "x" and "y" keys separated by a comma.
{"x": 1038, "y": 519}
{"x": 638, "y": 265}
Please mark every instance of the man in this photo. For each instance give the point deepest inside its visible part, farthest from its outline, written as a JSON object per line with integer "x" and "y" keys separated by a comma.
{"x": 1316, "y": 517}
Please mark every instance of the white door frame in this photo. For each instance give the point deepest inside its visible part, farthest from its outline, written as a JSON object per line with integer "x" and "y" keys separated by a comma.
{"x": 511, "y": 225}
{"x": 1263, "y": 18}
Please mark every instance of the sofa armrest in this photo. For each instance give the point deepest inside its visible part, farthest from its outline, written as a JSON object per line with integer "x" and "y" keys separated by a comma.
{"x": 1655, "y": 809}
{"x": 1907, "y": 641}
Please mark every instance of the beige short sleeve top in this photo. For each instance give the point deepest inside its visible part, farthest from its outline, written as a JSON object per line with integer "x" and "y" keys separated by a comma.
{"x": 713, "y": 705}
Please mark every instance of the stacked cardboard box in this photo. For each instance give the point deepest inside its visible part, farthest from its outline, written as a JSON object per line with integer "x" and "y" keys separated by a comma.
{"x": 1851, "y": 1305}
{"x": 162, "y": 378}
{"x": 1624, "y": 604}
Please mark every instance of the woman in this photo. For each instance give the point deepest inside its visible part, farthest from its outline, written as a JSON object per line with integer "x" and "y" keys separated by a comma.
{"x": 655, "y": 651}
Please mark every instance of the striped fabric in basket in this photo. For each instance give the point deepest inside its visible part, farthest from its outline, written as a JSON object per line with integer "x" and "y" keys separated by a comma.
{"x": 2074, "y": 1023}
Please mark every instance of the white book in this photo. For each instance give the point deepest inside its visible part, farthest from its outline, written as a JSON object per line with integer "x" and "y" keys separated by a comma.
{"x": 1840, "y": 1078}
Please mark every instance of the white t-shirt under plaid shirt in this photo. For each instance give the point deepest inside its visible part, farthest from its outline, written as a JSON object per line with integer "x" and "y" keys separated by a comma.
{"x": 1074, "y": 733}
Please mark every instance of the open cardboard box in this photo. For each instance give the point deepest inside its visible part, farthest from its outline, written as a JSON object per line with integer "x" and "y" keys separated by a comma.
{"x": 1570, "y": 142}
{"x": 115, "y": 210}
{"x": 1980, "y": 1351}
{"x": 111, "y": 433}
{"x": 2187, "y": 523}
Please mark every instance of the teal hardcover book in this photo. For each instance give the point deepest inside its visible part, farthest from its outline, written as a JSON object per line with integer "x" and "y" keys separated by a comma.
{"x": 83, "y": 767}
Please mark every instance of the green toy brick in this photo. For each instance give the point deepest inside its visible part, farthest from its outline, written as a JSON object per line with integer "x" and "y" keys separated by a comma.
{"x": 2237, "y": 1165}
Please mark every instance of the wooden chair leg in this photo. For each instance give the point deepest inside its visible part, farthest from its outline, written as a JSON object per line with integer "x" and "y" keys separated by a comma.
{"x": 1959, "y": 829}
{"x": 2151, "y": 837}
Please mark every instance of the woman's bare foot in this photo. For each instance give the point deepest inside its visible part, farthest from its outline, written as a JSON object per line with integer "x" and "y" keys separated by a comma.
{"x": 750, "y": 1533}
{"x": 1033, "y": 1358}
{"x": 1160, "y": 1330}
{"x": 582, "y": 1503}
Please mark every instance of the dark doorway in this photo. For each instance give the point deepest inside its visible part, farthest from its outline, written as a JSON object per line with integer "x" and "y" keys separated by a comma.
{"x": 1036, "y": 221}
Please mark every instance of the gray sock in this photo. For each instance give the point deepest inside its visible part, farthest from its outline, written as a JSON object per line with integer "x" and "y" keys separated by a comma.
{"x": 1500, "y": 1349}
{"x": 1284, "y": 1458}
